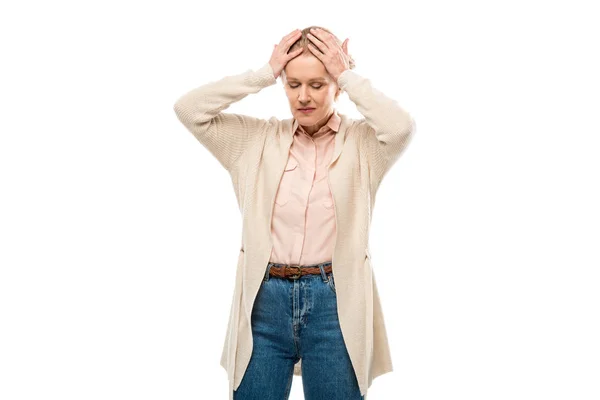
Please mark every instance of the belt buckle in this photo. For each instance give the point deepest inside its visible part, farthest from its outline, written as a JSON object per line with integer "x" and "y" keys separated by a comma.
{"x": 296, "y": 275}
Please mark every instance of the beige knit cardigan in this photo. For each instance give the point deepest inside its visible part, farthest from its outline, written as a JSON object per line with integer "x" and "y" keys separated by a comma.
{"x": 254, "y": 151}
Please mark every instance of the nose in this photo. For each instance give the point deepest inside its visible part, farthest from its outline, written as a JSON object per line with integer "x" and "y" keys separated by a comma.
{"x": 303, "y": 96}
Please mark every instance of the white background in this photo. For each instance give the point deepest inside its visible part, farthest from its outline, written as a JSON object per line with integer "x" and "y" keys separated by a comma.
{"x": 118, "y": 261}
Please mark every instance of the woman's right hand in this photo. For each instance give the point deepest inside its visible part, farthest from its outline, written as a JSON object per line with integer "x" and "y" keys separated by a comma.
{"x": 280, "y": 56}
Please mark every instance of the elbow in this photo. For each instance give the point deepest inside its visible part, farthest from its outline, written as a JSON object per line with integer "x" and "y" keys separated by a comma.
{"x": 178, "y": 108}
{"x": 181, "y": 112}
{"x": 412, "y": 127}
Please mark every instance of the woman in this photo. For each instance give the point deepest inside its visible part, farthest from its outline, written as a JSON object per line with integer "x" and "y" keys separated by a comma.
{"x": 305, "y": 300}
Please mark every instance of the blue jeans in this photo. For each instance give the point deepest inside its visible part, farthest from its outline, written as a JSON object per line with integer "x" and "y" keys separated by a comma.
{"x": 295, "y": 319}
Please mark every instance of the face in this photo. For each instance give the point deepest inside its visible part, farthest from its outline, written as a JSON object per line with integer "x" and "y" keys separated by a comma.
{"x": 308, "y": 84}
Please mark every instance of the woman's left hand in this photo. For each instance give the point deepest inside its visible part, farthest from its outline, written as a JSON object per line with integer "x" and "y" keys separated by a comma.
{"x": 326, "y": 49}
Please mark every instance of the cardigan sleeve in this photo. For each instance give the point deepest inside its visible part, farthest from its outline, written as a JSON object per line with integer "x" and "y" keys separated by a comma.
{"x": 225, "y": 135}
{"x": 387, "y": 128}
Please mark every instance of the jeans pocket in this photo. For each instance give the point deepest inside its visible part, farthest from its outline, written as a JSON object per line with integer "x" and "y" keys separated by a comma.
{"x": 330, "y": 281}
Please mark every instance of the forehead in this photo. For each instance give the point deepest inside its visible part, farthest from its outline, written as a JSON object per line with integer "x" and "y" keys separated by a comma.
{"x": 305, "y": 68}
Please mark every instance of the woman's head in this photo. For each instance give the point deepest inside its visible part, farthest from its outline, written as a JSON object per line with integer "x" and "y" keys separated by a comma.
{"x": 308, "y": 84}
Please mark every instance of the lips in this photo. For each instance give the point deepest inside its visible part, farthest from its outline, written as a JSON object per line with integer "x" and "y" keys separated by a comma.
{"x": 306, "y": 109}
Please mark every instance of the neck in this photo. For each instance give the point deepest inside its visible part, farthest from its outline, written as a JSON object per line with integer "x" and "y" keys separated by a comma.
{"x": 312, "y": 129}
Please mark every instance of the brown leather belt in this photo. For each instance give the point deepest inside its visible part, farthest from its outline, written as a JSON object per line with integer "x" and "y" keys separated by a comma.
{"x": 296, "y": 271}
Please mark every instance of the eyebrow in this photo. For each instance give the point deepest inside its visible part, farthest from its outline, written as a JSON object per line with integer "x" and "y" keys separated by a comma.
{"x": 311, "y": 80}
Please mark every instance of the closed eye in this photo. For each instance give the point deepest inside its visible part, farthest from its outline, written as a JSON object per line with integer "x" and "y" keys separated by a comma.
{"x": 314, "y": 86}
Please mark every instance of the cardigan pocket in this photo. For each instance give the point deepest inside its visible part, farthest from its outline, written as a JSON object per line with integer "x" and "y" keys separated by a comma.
{"x": 286, "y": 183}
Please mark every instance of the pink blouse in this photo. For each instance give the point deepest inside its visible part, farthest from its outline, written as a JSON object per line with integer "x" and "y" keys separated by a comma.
{"x": 303, "y": 224}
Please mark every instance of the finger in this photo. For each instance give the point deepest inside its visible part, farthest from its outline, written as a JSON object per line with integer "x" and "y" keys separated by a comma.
{"x": 290, "y": 36}
{"x": 328, "y": 40}
{"x": 345, "y": 46}
{"x": 315, "y": 51}
{"x": 316, "y": 37}
{"x": 285, "y": 46}
{"x": 320, "y": 45}
{"x": 295, "y": 53}
{"x": 292, "y": 40}
{"x": 319, "y": 33}
{"x": 324, "y": 36}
